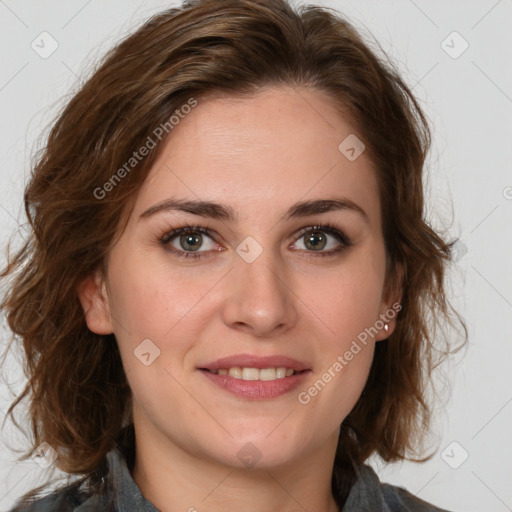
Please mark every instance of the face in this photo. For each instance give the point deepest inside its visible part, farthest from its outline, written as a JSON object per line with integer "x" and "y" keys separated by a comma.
{"x": 248, "y": 326}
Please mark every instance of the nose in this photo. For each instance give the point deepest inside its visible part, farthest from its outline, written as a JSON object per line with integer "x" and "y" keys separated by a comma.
{"x": 259, "y": 297}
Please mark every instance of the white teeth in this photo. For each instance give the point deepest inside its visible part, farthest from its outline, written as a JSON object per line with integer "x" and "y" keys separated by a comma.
{"x": 250, "y": 374}
{"x": 281, "y": 372}
{"x": 268, "y": 374}
{"x": 257, "y": 374}
{"x": 235, "y": 372}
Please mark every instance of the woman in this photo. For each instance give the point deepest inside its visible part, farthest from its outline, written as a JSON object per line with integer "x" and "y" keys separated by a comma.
{"x": 227, "y": 297}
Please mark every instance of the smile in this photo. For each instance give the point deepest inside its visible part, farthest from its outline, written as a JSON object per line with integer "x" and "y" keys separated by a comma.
{"x": 256, "y": 377}
{"x": 265, "y": 374}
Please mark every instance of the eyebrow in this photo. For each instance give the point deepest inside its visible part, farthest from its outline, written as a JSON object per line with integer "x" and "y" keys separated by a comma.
{"x": 226, "y": 213}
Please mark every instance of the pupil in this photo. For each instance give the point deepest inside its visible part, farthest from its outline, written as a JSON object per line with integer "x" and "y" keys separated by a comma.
{"x": 193, "y": 241}
{"x": 316, "y": 240}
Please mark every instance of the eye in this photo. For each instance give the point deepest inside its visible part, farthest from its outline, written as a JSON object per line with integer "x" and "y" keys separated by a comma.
{"x": 195, "y": 241}
{"x": 316, "y": 239}
{"x": 186, "y": 241}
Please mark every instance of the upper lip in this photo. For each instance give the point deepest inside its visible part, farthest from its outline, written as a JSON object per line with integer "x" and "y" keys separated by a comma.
{"x": 254, "y": 361}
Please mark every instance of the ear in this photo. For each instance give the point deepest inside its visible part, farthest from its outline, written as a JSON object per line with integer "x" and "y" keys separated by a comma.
{"x": 391, "y": 304}
{"x": 93, "y": 296}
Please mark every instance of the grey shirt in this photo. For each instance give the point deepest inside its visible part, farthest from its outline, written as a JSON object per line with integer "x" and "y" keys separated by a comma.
{"x": 367, "y": 494}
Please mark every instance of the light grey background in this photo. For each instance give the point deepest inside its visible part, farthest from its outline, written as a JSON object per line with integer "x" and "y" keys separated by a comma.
{"x": 468, "y": 98}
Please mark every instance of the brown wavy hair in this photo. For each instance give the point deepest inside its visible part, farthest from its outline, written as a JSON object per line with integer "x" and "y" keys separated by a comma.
{"x": 79, "y": 398}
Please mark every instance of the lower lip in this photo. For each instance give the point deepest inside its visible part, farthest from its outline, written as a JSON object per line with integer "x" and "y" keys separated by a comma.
{"x": 257, "y": 389}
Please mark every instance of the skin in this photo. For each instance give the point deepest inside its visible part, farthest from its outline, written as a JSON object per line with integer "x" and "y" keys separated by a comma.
{"x": 259, "y": 155}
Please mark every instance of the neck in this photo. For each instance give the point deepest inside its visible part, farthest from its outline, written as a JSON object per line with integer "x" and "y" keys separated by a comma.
{"x": 173, "y": 479}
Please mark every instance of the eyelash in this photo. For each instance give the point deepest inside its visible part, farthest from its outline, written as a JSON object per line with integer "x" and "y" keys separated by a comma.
{"x": 164, "y": 239}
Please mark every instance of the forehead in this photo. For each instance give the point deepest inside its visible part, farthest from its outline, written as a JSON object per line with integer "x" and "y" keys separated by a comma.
{"x": 274, "y": 147}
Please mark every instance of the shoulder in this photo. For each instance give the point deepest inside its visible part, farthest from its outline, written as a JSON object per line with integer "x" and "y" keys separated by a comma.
{"x": 399, "y": 499}
{"x": 107, "y": 489}
{"x": 368, "y": 493}
{"x": 65, "y": 499}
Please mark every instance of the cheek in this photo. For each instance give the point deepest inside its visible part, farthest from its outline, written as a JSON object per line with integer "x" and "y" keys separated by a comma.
{"x": 348, "y": 301}
{"x": 353, "y": 376}
{"x": 148, "y": 299}
{"x": 349, "y": 309}
{"x": 337, "y": 386}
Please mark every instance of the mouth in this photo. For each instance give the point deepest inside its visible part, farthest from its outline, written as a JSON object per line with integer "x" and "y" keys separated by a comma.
{"x": 265, "y": 374}
{"x": 255, "y": 377}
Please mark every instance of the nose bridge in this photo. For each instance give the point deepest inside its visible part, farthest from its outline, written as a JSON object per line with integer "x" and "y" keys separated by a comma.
{"x": 259, "y": 297}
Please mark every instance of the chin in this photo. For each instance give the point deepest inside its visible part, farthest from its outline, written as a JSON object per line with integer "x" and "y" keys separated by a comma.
{"x": 259, "y": 450}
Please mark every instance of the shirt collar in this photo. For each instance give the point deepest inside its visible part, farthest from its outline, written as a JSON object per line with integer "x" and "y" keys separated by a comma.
{"x": 365, "y": 495}
{"x": 128, "y": 495}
